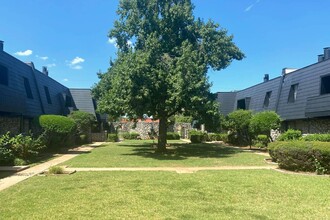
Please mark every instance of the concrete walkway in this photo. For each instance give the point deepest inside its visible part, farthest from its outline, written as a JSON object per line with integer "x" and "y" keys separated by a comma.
{"x": 27, "y": 173}
{"x": 173, "y": 169}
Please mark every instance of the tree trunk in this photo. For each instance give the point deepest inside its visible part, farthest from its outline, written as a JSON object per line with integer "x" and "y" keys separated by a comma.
{"x": 161, "y": 147}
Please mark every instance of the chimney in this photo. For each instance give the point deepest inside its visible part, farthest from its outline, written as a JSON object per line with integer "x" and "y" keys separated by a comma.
{"x": 320, "y": 57}
{"x": 266, "y": 78}
{"x": 1, "y": 45}
{"x": 326, "y": 53}
{"x": 288, "y": 70}
{"x": 44, "y": 70}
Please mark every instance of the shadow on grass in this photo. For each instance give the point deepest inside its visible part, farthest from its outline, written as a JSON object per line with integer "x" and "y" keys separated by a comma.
{"x": 183, "y": 151}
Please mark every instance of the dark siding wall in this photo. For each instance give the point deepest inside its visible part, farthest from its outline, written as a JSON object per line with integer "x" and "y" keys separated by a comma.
{"x": 55, "y": 91}
{"x": 309, "y": 79}
{"x": 15, "y": 91}
{"x": 257, "y": 94}
{"x": 83, "y": 100}
{"x": 13, "y": 97}
{"x": 227, "y": 102}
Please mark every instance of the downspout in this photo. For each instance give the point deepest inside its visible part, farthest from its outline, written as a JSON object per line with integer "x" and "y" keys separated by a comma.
{"x": 36, "y": 83}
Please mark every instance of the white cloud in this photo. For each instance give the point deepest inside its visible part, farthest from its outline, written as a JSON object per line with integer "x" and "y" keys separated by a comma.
{"x": 65, "y": 80}
{"x": 76, "y": 67}
{"x": 73, "y": 64}
{"x": 44, "y": 58}
{"x": 112, "y": 40}
{"x": 129, "y": 43}
{"x": 50, "y": 65}
{"x": 251, "y": 6}
{"x": 77, "y": 60}
{"x": 24, "y": 53}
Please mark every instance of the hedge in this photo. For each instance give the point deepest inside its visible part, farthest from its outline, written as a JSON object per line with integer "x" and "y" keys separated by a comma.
{"x": 307, "y": 156}
{"x": 197, "y": 136}
{"x": 172, "y": 136}
{"x": 317, "y": 137}
{"x": 59, "y": 130}
{"x": 217, "y": 137}
{"x": 130, "y": 135}
{"x": 112, "y": 138}
{"x": 290, "y": 135}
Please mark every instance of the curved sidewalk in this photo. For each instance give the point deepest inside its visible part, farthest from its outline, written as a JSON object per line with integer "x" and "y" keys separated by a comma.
{"x": 25, "y": 174}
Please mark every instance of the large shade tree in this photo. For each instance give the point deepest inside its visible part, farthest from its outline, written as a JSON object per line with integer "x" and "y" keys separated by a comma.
{"x": 163, "y": 56}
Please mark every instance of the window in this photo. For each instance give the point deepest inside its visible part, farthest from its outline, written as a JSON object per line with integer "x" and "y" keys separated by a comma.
{"x": 241, "y": 104}
{"x": 3, "y": 75}
{"x": 325, "y": 85}
{"x": 267, "y": 98}
{"x": 293, "y": 93}
{"x": 47, "y": 95}
{"x": 28, "y": 88}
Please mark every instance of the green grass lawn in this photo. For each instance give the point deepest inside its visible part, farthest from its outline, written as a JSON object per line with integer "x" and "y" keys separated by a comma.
{"x": 142, "y": 154}
{"x": 249, "y": 194}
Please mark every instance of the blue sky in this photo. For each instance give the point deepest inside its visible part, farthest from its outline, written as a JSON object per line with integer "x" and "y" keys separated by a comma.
{"x": 70, "y": 36}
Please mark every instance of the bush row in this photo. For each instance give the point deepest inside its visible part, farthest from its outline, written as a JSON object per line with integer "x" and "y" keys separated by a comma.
{"x": 292, "y": 134}
{"x": 301, "y": 155}
{"x": 130, "y": 135}
{"x": 172, "y": 136}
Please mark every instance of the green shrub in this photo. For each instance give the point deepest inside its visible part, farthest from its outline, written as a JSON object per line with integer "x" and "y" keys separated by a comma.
{"x": 238, "y": 123}
{"x": 26, "y": 147}
{"x": 197, "y": 136}
{"x": 82, "y": 139}
{"x": 213, "y": 137}
{"x": 172, "y": 136}
{"x": 59, "y": 130}
{"x": 112, "y": 138}
{"x": 317, "y": 137}
{"x": 6, "y": 156}
{"x": 264, "y": 122}
{"x": 301, "y": 155}
{"x": 290, "y": 135}
{"x": 130, "y": 135}
{"x": 20, "y": 162}
{"x": 56, "y": 170}
{"x": 261, "y": 141}
{"x": 84, "y": 121}
{"x": 224, "y": 137}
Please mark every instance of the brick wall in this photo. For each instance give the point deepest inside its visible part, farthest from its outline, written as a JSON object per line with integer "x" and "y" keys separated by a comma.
{"x": 15, "y": 125}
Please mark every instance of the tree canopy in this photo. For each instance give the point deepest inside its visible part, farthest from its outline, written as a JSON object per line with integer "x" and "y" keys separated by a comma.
{"x": 163, "y": 56}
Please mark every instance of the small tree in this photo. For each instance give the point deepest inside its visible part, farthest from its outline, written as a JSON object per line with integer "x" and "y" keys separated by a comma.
{"x": 84, "y": 122}
{"x": 238, "y": 123}
{"x": 264, "y": 122}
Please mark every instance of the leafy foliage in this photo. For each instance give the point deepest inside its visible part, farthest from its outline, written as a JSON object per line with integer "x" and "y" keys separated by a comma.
{"x": 164, "y": 72}
{"x": 238, "y": 123}
{"x": 301, "y": 155}
{"x": 197, "y": 136}
{"x": 290, "y": 135}
{"x": 84, "y": 121}
{"x": 130, "y": 135}
{"x": 182, "y": 119}
{"x": 317, "y": 137}
{"x": 58, "y": 130}
{"x": 112, "y": 138}
{"x": 172, "y": 136}
{"x": 19, "y": 149}
{"x": 264, "y": 122}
